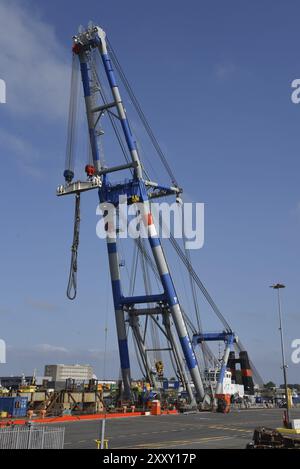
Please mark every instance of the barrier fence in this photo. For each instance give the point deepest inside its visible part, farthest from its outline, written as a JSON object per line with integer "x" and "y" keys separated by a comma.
{"x": 32, "y": 437}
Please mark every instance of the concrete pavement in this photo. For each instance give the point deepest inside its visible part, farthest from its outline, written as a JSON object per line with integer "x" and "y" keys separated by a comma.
{"x": 190, "y": 431}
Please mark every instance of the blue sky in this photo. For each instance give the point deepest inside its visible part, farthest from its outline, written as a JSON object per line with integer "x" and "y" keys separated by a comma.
{"x": 214, "y": 79}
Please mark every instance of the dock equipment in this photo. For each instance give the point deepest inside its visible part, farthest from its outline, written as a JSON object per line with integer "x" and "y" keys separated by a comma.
{"x": 246, "y": 371}
{"x": 14, "y": 406}
{"x": 269, "y": 438}
{"x": 96, "y": 62}
{"x": 229, "y": 338}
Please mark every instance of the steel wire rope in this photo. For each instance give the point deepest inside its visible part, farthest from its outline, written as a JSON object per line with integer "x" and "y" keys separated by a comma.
{"x": 173, "y": 179}
{"x": 72, "y": 283}
{"x": 156, "y": 145}
{"x": 141, "y": 114}
{"x": 72, "y": 115}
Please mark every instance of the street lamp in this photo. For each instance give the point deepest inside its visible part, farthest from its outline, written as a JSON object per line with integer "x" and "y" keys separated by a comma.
{"x": 278, "y": 287}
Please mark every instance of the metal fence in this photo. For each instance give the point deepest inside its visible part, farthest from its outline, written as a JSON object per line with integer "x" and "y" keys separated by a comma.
{"x": 34, "y": 437}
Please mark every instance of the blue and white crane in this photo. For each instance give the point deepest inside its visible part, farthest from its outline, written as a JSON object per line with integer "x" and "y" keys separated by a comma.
{"x": 135, "y": 189}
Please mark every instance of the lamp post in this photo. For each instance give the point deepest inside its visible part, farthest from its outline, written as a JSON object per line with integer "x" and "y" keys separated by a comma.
{"x": 278, "y": 287}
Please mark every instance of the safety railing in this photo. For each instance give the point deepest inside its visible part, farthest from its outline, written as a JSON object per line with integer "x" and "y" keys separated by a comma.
{"x": 32, "y": 437}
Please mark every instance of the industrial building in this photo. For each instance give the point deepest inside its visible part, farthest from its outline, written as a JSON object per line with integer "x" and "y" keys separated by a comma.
{"x": 62, "y": 372}
{"x": 15, "y": 382}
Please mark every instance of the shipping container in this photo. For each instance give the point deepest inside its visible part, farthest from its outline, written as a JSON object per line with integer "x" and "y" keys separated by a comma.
{"x": 14, "y": 406}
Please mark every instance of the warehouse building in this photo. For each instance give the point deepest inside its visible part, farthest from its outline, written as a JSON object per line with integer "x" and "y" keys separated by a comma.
{"x": 63, "y": 372}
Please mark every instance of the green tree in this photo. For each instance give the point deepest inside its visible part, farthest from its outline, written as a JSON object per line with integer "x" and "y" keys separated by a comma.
{"x": 270, "y": 385}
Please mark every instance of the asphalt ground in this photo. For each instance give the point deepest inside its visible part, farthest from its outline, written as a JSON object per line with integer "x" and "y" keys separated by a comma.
{"x": 203, "y": 430}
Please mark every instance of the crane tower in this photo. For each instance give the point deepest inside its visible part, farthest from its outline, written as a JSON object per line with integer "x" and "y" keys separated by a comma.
{"x": 90, "y": 49}
{"x": 135, "y": 190}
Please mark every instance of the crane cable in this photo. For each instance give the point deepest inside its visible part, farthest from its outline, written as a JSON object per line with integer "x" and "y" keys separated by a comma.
{"x": 72, "y": 117}
{"x": 206, "y": 352}
{"x": 141, "y": 114}
{"x": 183, "y": 257}
{"x": 174, "y": 243}
{"x": 163, "y": 158}
{"x": 187, "y": 263}
{"x": 72, "y": 283}
{"x": 112, "y": 118}
{"x": 198, "y": 282}
{"x": 188, "y": 256}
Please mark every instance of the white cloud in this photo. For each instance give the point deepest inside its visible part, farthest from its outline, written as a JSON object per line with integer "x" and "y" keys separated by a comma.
{"x": 41, "y": 305}
{"x": 22, "y": 151}
{"x": 47, "y": 348}
{"x": 34, "y": 64}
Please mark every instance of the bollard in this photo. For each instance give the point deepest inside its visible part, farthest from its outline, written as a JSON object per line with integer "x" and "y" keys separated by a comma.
{"x": 105, "y": 444}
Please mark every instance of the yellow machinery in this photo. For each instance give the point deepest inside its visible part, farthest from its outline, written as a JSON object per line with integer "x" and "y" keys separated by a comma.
{"x": 27, "y": 388}
{"x": 159, "y": 368}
